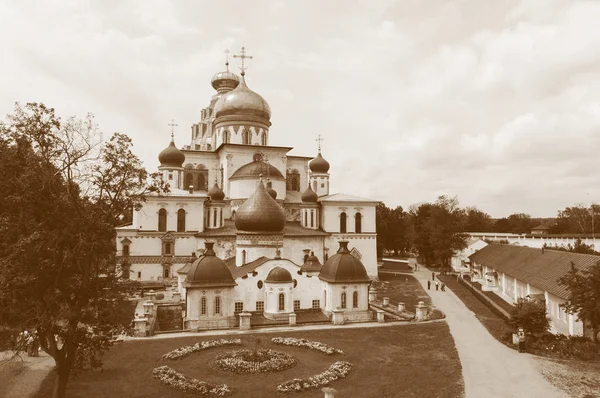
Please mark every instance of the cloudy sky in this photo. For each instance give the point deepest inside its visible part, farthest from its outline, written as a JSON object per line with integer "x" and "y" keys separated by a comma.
{"x": 497, "y": 102}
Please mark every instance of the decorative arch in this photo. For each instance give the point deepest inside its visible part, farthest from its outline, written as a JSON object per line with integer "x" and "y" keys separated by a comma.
{"x": 246, "y": 137}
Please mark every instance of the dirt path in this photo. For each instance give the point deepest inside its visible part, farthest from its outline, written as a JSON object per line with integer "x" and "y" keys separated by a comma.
{"x": 24, "y": 382}
{"x": 490, "y": 369}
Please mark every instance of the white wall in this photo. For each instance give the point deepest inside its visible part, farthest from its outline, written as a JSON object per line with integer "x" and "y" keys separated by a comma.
{"x": 365, "y": 244}
{"x": 331, "y": 216}
{"x": 147, "y": 217}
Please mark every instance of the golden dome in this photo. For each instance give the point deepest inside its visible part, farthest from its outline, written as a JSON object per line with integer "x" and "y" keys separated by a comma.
{"x": 260, "y": 213}
{"x": 242, "y": 102}
{"x": 225, "y": 81}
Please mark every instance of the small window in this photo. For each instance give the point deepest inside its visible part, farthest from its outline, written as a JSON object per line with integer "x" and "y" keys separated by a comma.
{"x": 239, "y": 306}
{"x": 296, "y": 305}
{"x": 162, "y": 220}
{"x": 343, "y": 300}
{"x": 259, "y": 284}
{"x": 316, "y": 304}
{"x": 355, "y": 300}
{"x": 170, "y": 176}
{"x": 203, "y": 306}
{"x": 168, "y": 248}
{"x": 217, "y": 305}
{"x": 181, "y": 220}
{"x": 358, "y": 223}
{"x": 166, "y": 273}
{"x": 126, "y": 250}
{"x": 281, "y": 306}
{"x": 260, "y": 306}
{"x": 139, "y": 274}
{"x": 322, "y": 185}
{"x": 343, "y": 222}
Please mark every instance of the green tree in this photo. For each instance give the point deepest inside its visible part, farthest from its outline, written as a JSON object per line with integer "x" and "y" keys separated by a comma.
{"x": 57, "y": 252}
{"x": 584, "y": 296}
{"x": 530, "y": 315}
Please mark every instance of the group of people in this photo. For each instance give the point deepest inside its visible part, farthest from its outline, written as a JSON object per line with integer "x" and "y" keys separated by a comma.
{"x": 29, "y": 342}
{"x": 438, "y": 285}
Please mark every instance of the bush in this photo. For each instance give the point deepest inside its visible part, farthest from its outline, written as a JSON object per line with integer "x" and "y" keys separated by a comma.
{"x": 530, "y": 315}
{"x": 560, "y": 346}
{"x": 159, "y": 296}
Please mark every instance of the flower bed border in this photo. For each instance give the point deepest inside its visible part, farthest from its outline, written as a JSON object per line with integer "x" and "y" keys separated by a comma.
{"x": 232, "y": 361}
{"x": 171, "y": 378}
{"x": 184, "y": 351}
{"x": 312, "y": 345}
{"x": 338, "y": 370}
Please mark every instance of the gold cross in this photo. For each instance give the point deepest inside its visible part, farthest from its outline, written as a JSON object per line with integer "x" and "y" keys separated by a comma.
{"x": 172, "y": 125}
{"x": 243, "y": 56}
{"x": 319, "y": 139}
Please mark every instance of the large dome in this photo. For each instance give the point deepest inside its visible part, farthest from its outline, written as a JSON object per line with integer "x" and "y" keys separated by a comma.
{"x": 319, "y": 164}
{"x": 279, "y": 275}
{"x": 209, "y": 271}
{"x": 255, "y": 169}
{"x": 260, "y": 213}
{"x": 242, "y": 102}
{"x": 343, "y": 267}
{"x": 171, "y": 156}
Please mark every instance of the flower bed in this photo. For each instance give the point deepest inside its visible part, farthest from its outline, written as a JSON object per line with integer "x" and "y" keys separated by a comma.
{"x": 204, "y": 345}
{"x": 338, "y": 370}
{"x": 255, "y": 361}
{"x": 313, "y": 345}
{"x": 174, "y": 379}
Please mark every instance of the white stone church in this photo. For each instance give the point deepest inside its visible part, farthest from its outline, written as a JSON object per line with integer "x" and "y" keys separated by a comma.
{"x": 247, "y": 227}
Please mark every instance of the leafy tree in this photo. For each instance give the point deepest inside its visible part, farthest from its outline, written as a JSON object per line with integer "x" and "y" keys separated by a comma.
{"x": 393, "y": 227}
{"x": 584, "y": 296}
{"x": 578, "y": 247}
{"x": 577, "y": 219}
{"x": 530, "y": 315}
{"x": 57, "y": 253}
{"x": 477, "y": 220}
{"x": 517, "y": 223}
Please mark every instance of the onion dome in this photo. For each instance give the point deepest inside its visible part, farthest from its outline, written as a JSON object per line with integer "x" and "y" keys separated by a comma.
{"x": 242, "y": 101}
{"x": 216, "y": 193}
{"x": 255, "y": 169}
{"x": 343, "y": 267}
{"x": 312, "y": 264}
{"x": 225, "y": 81}
{"x": 309, "y": 196}
{"x": 260, "y": 213}
{"x": 270, "y": 190}
{"x": 209, "y": 271}
{"x": 171, "y": 156}
{"x": 319, "y": 164}
{"x": 279, "y": 275}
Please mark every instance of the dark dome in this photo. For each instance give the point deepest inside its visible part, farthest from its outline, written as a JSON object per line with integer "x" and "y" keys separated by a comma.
{"x": 312, "y": 264}
{"x": 254, "y": 169}
{"x": 319, "y": 164}
{"x": 171, "y": 156}
{"x": 216, "y": 193}
{"x": 242, "y": 101}
{"x": 310, "y": 196}
{"x": 343, "y": 267}
{"x": 209, "y": 271}
{"x": 279, "y": 275}
{"x": 260, "y": 213}
{"x": 270, "y": 190}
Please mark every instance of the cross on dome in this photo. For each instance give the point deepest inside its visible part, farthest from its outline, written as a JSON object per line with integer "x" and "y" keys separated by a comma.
{"x": 227, "y": 59}
{"x": 172, "y": 125}
{"x": 243, "y": 56}
{"x": 319, "y": 140}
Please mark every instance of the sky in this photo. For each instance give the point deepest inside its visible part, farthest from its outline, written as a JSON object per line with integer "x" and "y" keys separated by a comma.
{"x": 495, "y": 102}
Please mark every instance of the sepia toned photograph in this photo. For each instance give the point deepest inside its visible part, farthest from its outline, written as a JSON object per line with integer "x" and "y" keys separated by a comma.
{"x": 299, "y": 198}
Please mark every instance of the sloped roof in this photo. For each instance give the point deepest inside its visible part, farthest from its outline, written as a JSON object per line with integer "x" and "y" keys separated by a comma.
{"x": 540, "y": 268}
{"x": 238, "y": 272}
{"x": 291, "y": 228}
{"x": 293, "y": 197}
{"x": 342, "y": 197}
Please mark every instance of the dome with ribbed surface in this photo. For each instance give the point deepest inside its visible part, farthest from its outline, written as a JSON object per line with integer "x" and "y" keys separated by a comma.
{"x": 279, "y": 275}
{"x": 216, "y": 193}
{"x": 343, "y": 267}
{"x": 209, "y": 271}
{"x": 309, "y": 196}
{"x": 225, "y": 81}
{"x": 243, "y": 102}
{"x": 171, "y": 156}
{"x": 255, "y": 169}
{"x": 312, "y": 264}
{"x": 319, "y": 164}
{"x": 260, "y": 213}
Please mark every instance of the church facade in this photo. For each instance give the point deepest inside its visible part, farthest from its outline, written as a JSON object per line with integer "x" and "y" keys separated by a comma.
{"x": 267, "y": 216}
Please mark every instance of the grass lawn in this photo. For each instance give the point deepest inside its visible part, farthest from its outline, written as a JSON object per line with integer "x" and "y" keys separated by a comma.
{"x": 401, "y": 288}
{"x": 578, "y": 378}
{"x": 397, "y": 361}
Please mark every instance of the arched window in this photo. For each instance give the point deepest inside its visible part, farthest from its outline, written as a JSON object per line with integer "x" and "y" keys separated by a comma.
{"x": 225, "y": 137}
{"x": 305, "y": 218}
{"x": 358, "y": 223}
{"x": 243, "y": 257}
{"x": 162, "y": 220}
{"x": 201, "y": 182}
{"x": 343, "y": 222}
{"x": 126, "y": 250}
{"x": 214, "y": 217}
{"x": 293, "y": 180}
{"x": 263, "y": 138}
{"x": 312, "y": 218}
{"x": 281, "y": 302}
{"x": 343, "y": 300}
{"x": 203, "y": 306}
{"x": 168, "y": 248}
{"x": 246, "y": 137}
{"x": 355, "y": 299}
{"x": 189, "y": 180}
{"x": 166, "y": 272}
{"x": 315, "y": 185}
{"x": 218, "y": 305}
{"x": 181, "y": 220}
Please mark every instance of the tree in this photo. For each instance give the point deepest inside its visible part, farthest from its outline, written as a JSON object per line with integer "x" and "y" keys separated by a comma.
{"x": 577, "y": 219}
{"x": 584, "y": 296}
{"x": 392, "y": 229}
{"x": 438, "y": 230}
{"x": 530, "y": 315}
{"x": 477, "y": 221}
{"x": 57, "y": 253}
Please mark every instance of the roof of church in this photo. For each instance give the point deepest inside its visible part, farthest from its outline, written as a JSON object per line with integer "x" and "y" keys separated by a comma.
{"x": 255, "y": 169}
{"x": 291, "y": 228}
{"x": 343, "y": 267}
{"x": 312, "y": 264}
{"x": 208, "y": 271}
{"x": 245, "y": 269}
{"x": 342, "y": 197}
{"x": 262, "y": 147}
{"x": 260, "y": 212}
{"x": 293, "y": 197}
{"x": 242, "y": 101}
{"x": 278, "y": 275}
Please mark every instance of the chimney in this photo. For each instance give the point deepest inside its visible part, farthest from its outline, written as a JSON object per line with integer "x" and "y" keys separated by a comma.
{"x": 343, "y": 247}
{"x": 208, "y": 251}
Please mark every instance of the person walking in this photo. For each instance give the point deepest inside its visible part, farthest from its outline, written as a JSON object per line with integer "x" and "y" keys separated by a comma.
{"x": 437, "y": 285}
{"x": 433, "y": 276}
{"x": 428, "y": 284}
{"x": 443, "y": 287}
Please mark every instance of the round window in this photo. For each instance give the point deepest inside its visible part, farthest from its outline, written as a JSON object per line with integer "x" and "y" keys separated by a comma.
{"x": 259, "y": 284}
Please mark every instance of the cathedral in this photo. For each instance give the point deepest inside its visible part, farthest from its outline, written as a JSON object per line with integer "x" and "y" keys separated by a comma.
{"x": 247, "y": 226}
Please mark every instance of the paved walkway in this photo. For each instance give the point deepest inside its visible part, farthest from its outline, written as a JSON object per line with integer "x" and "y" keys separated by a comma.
{"x": 490, "y": 369}
{"x": 27, "y": 381}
